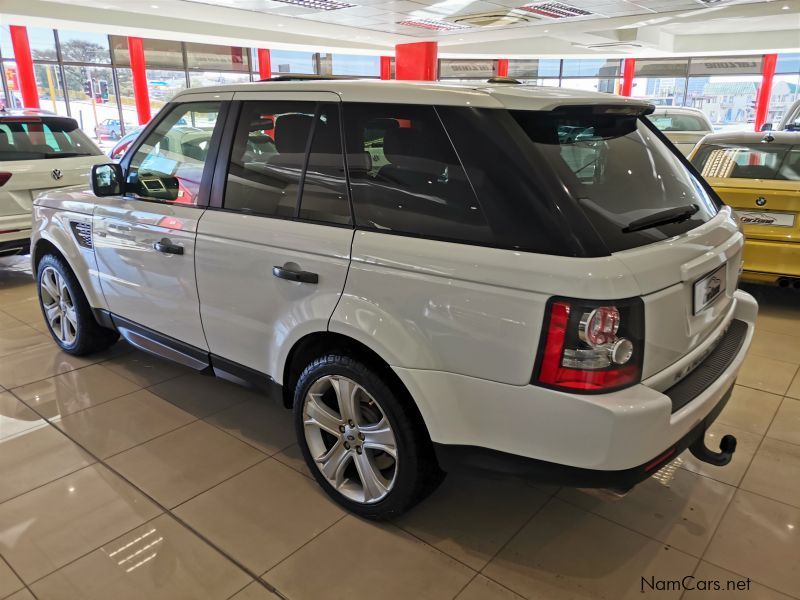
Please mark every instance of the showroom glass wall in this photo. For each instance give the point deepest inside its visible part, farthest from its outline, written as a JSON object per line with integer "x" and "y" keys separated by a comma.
{"x": 87, "y": 75}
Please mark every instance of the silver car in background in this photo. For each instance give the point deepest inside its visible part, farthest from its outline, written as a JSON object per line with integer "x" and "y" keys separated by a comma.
{"x": 683, "y": 126}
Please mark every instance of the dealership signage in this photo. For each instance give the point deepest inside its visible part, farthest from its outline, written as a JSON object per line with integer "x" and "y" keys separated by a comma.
{"x": 466, "y": 69}
{"x": 736, "y": 65}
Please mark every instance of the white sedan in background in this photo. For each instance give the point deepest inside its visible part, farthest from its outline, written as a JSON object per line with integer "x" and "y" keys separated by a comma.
{"x": 38, "y": 151}
{"x": 683, "y": 126}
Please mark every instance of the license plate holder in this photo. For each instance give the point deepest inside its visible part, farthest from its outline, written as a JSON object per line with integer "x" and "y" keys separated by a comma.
{"x": 766, "y": 219}
{"x": 708, "y": 288}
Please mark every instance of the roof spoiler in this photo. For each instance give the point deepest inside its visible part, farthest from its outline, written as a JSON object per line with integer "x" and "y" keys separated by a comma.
{"x": 622, "y": 110}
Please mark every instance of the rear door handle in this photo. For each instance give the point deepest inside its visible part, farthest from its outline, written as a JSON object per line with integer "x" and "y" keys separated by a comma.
{"x": 301, "y": 276}
{"x": 167, "y": 247}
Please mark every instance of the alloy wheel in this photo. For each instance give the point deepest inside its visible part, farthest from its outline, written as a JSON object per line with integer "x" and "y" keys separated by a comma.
{"x": 59, "y": 306}
{"x": 350, "y": 439}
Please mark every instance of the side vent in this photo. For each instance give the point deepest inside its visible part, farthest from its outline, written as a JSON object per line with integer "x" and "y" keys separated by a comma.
{"x": 82, "y": 233}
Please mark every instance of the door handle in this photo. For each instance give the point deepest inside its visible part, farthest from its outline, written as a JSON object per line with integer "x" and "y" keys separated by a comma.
{"x": 116, "y": 227}
{"x": 301, "y": 276}
{"x": 167, "y": 247}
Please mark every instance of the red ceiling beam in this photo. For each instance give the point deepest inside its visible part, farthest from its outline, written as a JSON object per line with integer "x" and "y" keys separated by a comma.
{"x": 25, "y": 74}
{"x": 139, "y": 74}
{"x": 765, "y": 91}
{"x": 417, "y": 61}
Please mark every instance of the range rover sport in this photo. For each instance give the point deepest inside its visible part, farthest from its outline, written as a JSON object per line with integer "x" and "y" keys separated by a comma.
{"x": 530, "y": 280}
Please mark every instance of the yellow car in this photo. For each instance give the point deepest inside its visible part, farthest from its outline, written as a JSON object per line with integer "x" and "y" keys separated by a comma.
{"x": 758, "y": 175}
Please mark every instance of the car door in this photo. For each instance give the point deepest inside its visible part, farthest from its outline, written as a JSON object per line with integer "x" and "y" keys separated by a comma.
{"x": 145, "y": 239}
{"x": 273, "y": 251}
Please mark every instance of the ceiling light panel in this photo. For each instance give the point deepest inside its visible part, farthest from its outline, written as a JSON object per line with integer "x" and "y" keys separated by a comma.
{"x": 318, "y": 4}
{"x": 555, "y": 10}
{"x": 432, "y": 24}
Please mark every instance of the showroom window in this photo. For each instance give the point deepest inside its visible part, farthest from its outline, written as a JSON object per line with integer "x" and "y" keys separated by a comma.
{"x": 356, "y": 65}
{"x": 661, "y": 81}
{"x": 725, "y": 89}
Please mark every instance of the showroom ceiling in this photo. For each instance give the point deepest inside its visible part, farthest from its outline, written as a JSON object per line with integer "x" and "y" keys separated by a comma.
{"x": 463, "y": 28}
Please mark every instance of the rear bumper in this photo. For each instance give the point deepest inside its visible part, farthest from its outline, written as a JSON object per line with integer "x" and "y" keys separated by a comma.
{"x": 768, "y": 260}
{"x": 617, "y": 432}
{"x": 460, "y": 458}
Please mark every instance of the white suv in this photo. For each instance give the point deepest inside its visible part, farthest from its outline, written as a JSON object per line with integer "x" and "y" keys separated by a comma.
{"x": 505, "y": 277}
{"x": 38, "y": 151}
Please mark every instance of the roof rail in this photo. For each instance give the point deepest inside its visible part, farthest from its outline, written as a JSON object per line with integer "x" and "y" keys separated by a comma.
{"x": 300, "y": 77}
{"x": 503, "y": 80}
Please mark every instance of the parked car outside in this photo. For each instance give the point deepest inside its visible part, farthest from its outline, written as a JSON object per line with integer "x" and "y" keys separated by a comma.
{"x": 38, "y": 151}
{"x": 683, "y": 126}
{"x": 124, "y": 143}
{"x": 758, "y": 175}
{"x": 108, "y": 128}
{"x": 433, "y": 277}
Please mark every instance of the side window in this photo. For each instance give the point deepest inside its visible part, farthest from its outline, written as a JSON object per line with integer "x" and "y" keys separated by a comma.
{"x": 405, "y": 176}
{"x": 324, "y": 187}
{"x": 168, "y": 166}
{"x": 267, "y": 157}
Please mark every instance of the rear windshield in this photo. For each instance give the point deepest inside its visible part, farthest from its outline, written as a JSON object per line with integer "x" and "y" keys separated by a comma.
{"x": 676, "y": 122}
{"x": 46, "y": 137}
{"x": 763, "y": 161}
{"x": 618, "y": 171}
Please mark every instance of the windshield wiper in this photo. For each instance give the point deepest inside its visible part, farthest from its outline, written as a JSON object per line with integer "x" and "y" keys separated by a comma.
{"x": 665, "y": 217}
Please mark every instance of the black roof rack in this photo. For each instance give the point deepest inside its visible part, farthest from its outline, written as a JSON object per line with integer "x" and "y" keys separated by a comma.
{"x": 300, "y": 77}
{"x": 503, "y": 80}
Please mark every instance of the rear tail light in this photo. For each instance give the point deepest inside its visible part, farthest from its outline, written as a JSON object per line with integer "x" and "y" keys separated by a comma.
{"x": 4, "y": 177}
{"x": 591, "y": 346}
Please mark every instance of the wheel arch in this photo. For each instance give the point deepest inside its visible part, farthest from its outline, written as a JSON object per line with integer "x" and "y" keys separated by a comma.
{"x": 319, "y": 343}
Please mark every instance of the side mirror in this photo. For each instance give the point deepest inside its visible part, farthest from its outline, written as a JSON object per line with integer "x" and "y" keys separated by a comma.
{"x": 107, "y": 180}
{"x": 766, "y": 127}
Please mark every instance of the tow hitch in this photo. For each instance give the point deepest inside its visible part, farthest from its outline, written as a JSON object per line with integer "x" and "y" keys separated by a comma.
{"x": 727, "y": 447}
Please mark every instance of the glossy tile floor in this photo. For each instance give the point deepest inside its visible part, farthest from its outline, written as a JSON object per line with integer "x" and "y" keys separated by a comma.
{"x": 123, "y": 476}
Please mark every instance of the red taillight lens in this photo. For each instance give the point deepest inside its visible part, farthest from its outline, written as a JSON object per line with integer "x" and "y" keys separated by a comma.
{"x": 591, "y": 347}
{"x": 4, "y": 177}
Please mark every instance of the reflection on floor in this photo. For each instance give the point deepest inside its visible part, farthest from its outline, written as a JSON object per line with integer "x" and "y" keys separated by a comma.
{"x": 124, "y": 476}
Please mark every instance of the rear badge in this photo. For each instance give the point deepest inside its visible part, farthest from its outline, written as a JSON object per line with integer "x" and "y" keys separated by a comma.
{"x": 761, "y": 201}
{"x": 709, "y": 288}
{"x": 57, "y": 174}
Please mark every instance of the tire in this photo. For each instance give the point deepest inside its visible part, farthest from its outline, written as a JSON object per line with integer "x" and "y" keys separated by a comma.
{"x": 66, "y": 310}
{"x": 355, "y": 444}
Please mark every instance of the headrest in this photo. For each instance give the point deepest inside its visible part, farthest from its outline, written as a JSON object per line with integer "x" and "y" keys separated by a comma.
{"x": 291, "y": 133}
{"x": 403, "y": 143}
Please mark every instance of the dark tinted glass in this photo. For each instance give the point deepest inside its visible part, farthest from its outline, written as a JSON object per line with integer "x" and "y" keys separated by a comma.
{"x": 618, "y": 171}
{"x": 268, "y": 156}
{"x": 324, "y": 188}
{"x": 47, "y": 137}
{"x": 405, "y": 176}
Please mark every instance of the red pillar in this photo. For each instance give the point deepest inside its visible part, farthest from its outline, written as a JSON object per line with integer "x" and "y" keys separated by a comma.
{"x": 628, "y": 67}
{"x": 416, "y": 61}
{"x": 765, "y": 91}
{"x": 386, "y": 67}
{"x": 139, "y": 73}
{"x": 25, "y": 74}
{"x": 502, "y": 67}
{"x": 264, "y": 64}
